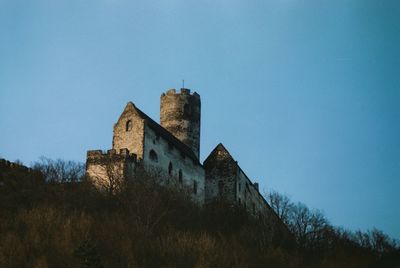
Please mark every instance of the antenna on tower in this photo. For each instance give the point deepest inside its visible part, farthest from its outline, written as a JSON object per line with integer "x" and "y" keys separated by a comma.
{"x": 183, "y": 83}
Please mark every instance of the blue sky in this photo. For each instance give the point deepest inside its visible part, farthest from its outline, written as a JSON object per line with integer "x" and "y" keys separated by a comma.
{"x": 304, "y": 94}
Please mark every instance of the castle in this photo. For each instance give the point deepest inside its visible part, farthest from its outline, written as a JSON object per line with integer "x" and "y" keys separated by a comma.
{"x": 171, "y": 149}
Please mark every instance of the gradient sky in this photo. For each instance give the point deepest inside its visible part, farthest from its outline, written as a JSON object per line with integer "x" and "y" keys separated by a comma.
{"x": 304, "y": 94}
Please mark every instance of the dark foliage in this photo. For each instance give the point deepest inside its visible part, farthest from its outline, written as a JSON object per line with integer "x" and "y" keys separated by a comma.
{"x": 62, "y": 221}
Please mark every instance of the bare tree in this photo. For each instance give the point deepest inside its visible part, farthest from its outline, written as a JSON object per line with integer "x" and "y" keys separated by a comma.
{"x": 308, "y": 226}
{"x": 281, "y": 204}
{"x": 376, "y": 241}
{"x": 60, "y": 170}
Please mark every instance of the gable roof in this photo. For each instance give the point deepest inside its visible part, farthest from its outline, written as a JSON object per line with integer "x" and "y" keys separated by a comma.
{"x": 166, "y": 134}
{"x": 214, "y": 153}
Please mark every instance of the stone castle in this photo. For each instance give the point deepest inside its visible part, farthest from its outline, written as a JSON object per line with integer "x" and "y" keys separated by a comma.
{"x": 171, "y": 149}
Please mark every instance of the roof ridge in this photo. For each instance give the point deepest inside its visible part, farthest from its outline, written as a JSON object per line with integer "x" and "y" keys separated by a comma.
{"x": 168, "y": 135}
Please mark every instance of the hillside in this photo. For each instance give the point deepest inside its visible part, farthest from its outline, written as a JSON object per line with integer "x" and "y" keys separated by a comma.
{"x": 51, "y": 217}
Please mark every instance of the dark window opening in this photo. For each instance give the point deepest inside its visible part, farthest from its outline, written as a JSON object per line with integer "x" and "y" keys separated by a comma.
{"x": 128, "y": 125}
{"x": 240, "y": 187}
{"x": 220, "y": 187}
{"x": 194, "y": 187}
{"x": 170, "y": 168}
{"x": 180, "y": 176}
{"x": 254, "y": 208}
{"x": 187, "y": 110}
{"x": 153, "y": 156}
{"x": 170, "y": 146}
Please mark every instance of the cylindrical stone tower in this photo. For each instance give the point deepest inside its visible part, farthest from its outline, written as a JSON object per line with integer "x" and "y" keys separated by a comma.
{"x": 180, "y": 115}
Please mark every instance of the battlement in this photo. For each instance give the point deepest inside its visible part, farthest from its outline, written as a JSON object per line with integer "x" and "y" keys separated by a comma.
{"x": 183, "y": 91}
{"x": 112, "y": 153}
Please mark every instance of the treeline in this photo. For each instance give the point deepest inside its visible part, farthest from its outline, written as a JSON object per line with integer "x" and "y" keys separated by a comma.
{"x": 52, "y": 217}
{"x": 322, "y": 242}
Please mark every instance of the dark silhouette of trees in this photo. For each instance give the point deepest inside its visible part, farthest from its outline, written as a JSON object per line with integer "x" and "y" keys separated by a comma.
{"x": 60, "y": 170}
{"x": 323, "y": 244}
{"x": 56, "y": 218}
{"x": 281, "y": 204}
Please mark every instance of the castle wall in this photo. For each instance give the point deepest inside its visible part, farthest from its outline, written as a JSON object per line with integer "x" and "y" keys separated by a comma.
{"x": 220, "y": 177}
{"x": 108, "y": 171}
{"x": 191, "y": 171}
{"x": 226, "y": 180}
{"x": 133, "y": 138}
{"x": 248, "y": 194}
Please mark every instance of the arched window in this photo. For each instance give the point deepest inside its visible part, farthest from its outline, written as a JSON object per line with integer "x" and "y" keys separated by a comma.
{"x": 170, "y": 168}
{"x": 180, "y": 176}
{"x": 128, "y": 125}
{"x": 153, "y": 156}
{"x": 194, "y": 187}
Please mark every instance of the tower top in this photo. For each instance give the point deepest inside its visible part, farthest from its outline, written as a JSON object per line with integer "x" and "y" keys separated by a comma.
{"x": 183, "y": 91}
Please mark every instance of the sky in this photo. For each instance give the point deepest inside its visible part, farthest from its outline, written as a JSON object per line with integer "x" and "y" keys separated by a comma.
{"x": 305, "y": 94}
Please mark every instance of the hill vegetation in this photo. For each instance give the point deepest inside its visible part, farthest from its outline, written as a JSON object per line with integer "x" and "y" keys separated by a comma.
{"x": 52, "y": 217}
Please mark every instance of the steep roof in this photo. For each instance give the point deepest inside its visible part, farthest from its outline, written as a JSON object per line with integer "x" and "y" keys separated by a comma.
{"x": 215, "y": 153}
{"x": 166, "y": 134}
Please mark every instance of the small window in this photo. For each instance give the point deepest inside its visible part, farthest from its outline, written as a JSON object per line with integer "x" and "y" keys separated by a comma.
{"x": 153, "y": 156}
{"x": 128, "y": 125}
{"x": 194, "y": 187}
{"x": 180, "y": 176}
{"x": 170, "y": 168}
{"x": 254, "y": 208}
{"x": 220, "y": 187}
{"x": 240, "y": 187}
{"x": 187, "y": 110}
{"x": 170, "y": 146}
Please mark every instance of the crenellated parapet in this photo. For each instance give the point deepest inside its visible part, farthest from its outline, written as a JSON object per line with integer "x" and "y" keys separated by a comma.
{"x": 109, "y": 171}
{"x": 99, "y": 156}
{"x": 183, "y": 92}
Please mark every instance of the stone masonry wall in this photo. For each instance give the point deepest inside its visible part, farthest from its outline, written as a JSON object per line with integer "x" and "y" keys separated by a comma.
{"x": 226, "y": 180}
{"x": 129, "y": 136}
{"x": 109, "y": 171}
{"x": 174, "y": 166}
{"x": 248, "y": 194}
{"x": 180, "y": 115}
{"x": 220, "y": 176}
